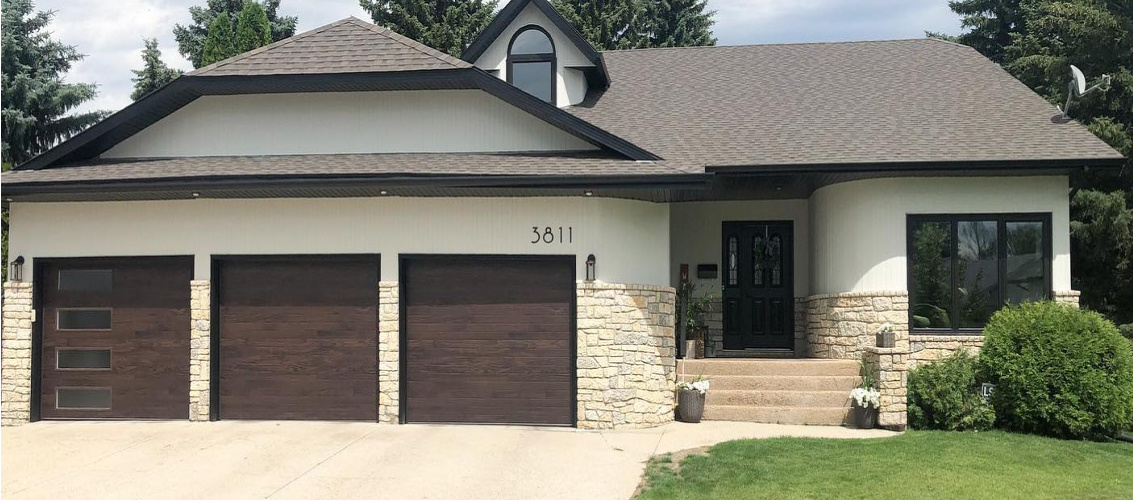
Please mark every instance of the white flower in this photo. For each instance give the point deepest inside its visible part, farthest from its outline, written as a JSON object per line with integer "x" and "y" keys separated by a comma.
{"x": 866, "y": 397}
{"x": 700, "y": 386}
{"x": 885, "y": 328}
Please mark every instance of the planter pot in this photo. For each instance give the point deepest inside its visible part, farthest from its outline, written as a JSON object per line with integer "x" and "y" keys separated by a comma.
{"x": 690, "y": 405}
{"x": 865, "y": 417}
{"x": 694, "y": 349}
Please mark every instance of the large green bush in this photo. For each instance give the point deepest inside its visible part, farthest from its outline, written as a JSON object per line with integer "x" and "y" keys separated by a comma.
{"x": 1058, "y": 370}
{"x": 946, "y": 395}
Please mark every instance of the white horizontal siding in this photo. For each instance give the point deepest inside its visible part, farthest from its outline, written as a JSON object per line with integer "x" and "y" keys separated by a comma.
{"x": 436, "y": 121}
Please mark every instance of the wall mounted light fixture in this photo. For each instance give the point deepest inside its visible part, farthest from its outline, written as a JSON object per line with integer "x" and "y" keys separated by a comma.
{"x": 16, "y": 270}
{"x": 590, "y": 262}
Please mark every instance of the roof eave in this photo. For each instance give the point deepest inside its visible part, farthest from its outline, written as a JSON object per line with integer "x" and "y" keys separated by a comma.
{"x": 918, "y": 166}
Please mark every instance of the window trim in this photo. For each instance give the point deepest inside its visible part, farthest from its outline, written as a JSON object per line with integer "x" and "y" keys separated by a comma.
{"x": 61, "y": 309}
{"x": 59, "y": 350}
{"x": 551, "y": 57}
{"x": 1001, "y": 220}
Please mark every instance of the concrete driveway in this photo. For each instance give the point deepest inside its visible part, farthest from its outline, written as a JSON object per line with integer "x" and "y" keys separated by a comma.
{"x": 306, "y": 460}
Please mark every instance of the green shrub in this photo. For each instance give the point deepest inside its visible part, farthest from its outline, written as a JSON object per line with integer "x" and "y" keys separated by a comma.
{"x": 946, "y": 395}
{"x": 1127, "y": 331}
{"x": 1058, "y": 370}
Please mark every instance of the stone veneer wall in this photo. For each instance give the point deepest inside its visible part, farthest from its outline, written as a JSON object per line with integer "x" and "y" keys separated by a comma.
{"x": 200, "y": 346}
{"x": 15, "y": 354}
{"x": 389, "y": 377}
{"x": 626, "y": 355}
{"x": 1068, "y": 297}
{"x": 843, "y": 325}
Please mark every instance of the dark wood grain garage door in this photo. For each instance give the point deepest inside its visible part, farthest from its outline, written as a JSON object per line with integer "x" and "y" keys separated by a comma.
{"x": 115, "y": 337}
{"x": 488, "y": 340}
{"x": 299, "y": 338}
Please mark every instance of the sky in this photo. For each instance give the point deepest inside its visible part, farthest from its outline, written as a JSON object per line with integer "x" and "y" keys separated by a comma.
{"x": 110, "y": 32}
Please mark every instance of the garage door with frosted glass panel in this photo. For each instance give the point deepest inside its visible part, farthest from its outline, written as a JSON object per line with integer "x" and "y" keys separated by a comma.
{"x": 298, "y": 337}
{"x": 114, "y": 338}
{"x": 488, "y": 339}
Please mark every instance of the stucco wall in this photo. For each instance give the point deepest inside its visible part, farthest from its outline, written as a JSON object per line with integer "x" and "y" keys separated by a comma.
{"x": 629, "y": 238}
{"x": 858, "y": 228}
{"x": 346, "y": 122}
{"x": 696, "y": 236}
{"x": 570, "y": 83}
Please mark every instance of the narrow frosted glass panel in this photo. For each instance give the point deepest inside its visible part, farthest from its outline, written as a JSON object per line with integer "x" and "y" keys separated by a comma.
{"x": 84, "y": 319}
{"x": 82, "y": 398}
{"x": 83, "y": 359}
{"x": 86, "y": 280}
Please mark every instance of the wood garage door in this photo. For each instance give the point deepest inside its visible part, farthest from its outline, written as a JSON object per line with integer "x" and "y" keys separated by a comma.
{"x": 488, "y": 340}
{"x": 115, "y": 337}
{"x": 299, "y": 338}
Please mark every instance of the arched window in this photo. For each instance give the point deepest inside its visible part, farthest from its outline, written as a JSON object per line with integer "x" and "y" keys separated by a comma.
{"x": 531, "y": 62}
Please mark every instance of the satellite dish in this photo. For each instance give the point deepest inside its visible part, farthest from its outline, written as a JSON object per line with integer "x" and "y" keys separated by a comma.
{"x": 1077, "y": 88}
{"x": 1079, "y": 79}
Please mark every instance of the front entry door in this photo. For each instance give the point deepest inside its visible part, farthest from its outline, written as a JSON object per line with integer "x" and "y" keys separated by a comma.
{"x": 758, "y": 296}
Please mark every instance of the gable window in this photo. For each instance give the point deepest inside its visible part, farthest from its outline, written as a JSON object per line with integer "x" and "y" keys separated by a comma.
{"x": 963, "y": 268}
{"x": 531, "y": 62}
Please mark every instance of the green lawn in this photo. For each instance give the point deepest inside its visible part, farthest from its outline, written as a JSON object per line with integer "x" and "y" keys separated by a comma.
{"x": 947, "y": 465}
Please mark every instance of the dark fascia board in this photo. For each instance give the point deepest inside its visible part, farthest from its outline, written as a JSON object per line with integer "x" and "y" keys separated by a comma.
{"x": 508, "y": 14}
{"x": 559, "y": 118}
{"x": 184, "y": 90}
{"x": 914, "y": 166}
{"x": 205, "y": 183}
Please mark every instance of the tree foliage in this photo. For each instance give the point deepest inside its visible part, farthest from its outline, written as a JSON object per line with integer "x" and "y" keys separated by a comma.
{"x": 1037, "y": 41}
{"x": 37, "y": 102}
{"x": 253, "y": 29}
{"x": 446, "y": 25}
{"x": 636, "y": 24}
{"x": 154, "y": 72}
{"x": 191, "y": 38}
{"x": 221, "y": 41}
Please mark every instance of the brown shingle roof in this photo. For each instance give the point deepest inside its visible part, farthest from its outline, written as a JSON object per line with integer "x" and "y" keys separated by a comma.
{"x": 449, "y": 164}
{"x": 830, "y": 103}
{"x": 346, "y": 46}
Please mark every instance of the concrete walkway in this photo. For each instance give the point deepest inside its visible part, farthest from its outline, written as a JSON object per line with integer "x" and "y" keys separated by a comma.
{"x": 306, "y": 460}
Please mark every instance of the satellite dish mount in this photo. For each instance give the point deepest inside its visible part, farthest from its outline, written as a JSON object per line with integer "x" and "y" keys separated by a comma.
{"x": 1077, "y": 88}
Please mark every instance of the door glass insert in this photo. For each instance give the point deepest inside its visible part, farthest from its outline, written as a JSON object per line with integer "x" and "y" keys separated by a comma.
{"x": 83, "y": 319}
{"x": 758, "y": 255}
{"x": 775, "y": 258}
{"x": 82, "y": 398}
{"x": 86, "y": 280}
{"x": 733, "y": 247}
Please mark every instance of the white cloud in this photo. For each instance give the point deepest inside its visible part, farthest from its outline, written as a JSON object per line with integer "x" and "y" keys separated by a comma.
{"x": 111, "y": 32}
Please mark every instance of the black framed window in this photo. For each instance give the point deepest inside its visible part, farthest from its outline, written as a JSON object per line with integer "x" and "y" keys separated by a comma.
{"x": 531, "y": 62}
{"x": 964, "y": 267}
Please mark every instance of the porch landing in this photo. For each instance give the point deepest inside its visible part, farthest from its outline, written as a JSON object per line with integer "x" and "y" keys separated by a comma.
{"x": 779, "y": 391}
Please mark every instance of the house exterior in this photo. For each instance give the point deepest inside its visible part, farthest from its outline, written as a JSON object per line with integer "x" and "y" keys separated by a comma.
{"x": 350, "y": 225}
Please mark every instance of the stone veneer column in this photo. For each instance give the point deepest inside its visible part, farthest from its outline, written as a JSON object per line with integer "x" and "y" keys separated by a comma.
{"x": 389, "y": 378}
{"x": 200, "y": 349}
{"x": 890, "y": 370}
{"x": 15, "y": 354}
{"x": 842, "y": 325}
{"x": 1070, "y": 297}
{"x": 626, "y": 364}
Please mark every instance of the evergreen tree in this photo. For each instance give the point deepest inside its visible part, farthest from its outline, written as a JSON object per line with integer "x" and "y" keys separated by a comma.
{"x": 253, "y": 29}
{"x": 221, "y": 43}
{"x": 191, "y": 39}
{"x": 608, "y": 24}
{"x": 36, "y": 100}
{"x": 1037, "y": 41}
{"x": 154, "y": 72}
{"x": 446, "y": 25}
{"x": 678, "y": 23}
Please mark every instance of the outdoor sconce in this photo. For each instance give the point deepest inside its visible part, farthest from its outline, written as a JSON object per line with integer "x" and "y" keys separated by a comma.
{"x": 16, "y": 271}
{"x": 590, "y": 267}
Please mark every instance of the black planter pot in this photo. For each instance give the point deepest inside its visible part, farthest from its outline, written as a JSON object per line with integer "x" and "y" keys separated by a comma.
{"x": 690, "y": 405}
{"x": 865, "y": 417}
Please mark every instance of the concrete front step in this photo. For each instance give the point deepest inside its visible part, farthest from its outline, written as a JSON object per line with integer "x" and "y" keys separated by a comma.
{"x": 779, "y": 414}
{"x": 709, "y": 368}
{"x": 794, "y": 399}
{"x": 779, "y": 383}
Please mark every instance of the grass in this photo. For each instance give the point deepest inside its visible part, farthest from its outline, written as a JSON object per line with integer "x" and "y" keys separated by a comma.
{"x": 954, "y": 465}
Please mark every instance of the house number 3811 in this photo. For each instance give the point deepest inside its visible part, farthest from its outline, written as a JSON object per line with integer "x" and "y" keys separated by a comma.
{"x": 550, "y": 234}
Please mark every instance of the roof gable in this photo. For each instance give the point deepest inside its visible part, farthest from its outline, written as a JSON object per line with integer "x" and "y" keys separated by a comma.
{"x": 598, "y": 78}
{"x": 349, "y": 45}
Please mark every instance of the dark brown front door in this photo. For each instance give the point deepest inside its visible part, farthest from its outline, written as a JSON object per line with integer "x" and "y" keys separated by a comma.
{"x": 488, "y": 339}
{"x": 758, "y": 298}
{"x": 115, "y": 337}
{"x": 298, "y": 338}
